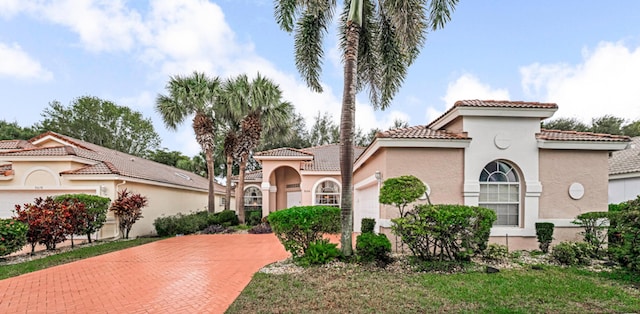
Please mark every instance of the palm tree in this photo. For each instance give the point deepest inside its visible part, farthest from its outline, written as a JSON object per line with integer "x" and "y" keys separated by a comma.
{"x": 379, "y": 41}
{"x": 257, "y": 108}
{"x": 196, "y": 95}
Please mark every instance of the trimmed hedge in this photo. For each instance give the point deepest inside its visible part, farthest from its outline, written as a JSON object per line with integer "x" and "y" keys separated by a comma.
{"x": 544, "y": 233}
{"x": 445, "y": 232}
{"x": 13, "y": 236}
{"x": 371, "y": 247}
{"x": 297, "y": 227}
{"x": 367, "y": 225}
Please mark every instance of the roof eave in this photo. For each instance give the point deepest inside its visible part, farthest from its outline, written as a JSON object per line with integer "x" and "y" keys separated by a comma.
{"x": 581, "y": 145}
{"x": 541, "y": 113}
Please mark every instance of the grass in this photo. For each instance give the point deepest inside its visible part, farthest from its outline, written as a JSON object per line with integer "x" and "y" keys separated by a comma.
{"x": 78, "y": 253}
{"x": 355, "y": 289}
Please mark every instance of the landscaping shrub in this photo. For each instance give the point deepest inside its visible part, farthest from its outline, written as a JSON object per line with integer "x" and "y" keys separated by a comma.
{"x": 261, "y": 228}
{"x": 297, "y": 227}
{"x": 371, "y": 247}
{"x": 49, "y": 222}
{"x": 13, "y": 236}
{"x": 95, "y": 214}
{"x": 181, "y": 224}
{"x": 253, "y": 217}
{"x": 319, "y": 252}
{"x": 454, "y": 232}
{"x": 573, "y": 253}
{"x": 626, "y": 250}
{"x": 400, "y": 191}
{"x": 225, "y": 218}
{"x": 495, "y": 252}
{"x": 367, "y": 225}
{"x": 213, "y": 229}
{"x": 128, "y": 209}
{"x": 544, "y": 233}
{"x": 595, "y": 226}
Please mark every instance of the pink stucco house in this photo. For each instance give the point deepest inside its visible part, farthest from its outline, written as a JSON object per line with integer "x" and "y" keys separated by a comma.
{"x": 488, "y": 153}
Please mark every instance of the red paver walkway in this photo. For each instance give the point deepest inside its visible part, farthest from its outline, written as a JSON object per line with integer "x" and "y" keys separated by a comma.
{"x": 190, "y": 274}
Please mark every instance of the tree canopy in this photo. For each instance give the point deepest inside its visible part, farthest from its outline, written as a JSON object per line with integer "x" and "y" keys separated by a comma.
{"x": 605, "y": 124}
{"x": 103, "y": 123}
{"x": 13, "y": 131}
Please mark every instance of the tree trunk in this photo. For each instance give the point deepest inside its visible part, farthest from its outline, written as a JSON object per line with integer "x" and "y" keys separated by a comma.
{"x": 347, "y": 121}
{"x": 227, "y": 200}
{"x": 89, "y": 237}
{"x": 240, "y": 190}
{"x": 211, "y": 206}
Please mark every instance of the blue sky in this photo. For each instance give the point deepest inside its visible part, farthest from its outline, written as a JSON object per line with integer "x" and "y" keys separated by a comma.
{"x": 583, "y": 55}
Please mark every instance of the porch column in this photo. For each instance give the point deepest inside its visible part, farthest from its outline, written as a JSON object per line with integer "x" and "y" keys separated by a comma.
{"x": 265, "y": 198}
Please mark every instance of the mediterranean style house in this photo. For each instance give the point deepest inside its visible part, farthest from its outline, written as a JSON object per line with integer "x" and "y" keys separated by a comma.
{"x": 53, "y": 164}
{"x": 483, "y": 153}
{"x": 624, "y": 173}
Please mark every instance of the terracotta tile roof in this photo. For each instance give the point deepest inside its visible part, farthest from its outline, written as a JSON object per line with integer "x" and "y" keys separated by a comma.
{"x": 14, "y": 144}
{"x": 420, "y": 131}
{"x": 255, "y": 175}
{"x": 495, "y": 104}
{"x": 626, "y": 161}
{"x": 5, "y": 167}
{"x": 327, "y": 157}
{"x": 284, "y": 152}
{"x": 558, "y": 135}
{"x": 101, "y": 160}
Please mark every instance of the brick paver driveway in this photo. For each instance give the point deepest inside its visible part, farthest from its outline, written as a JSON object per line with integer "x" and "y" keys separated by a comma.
{"x": 190, "y": 274}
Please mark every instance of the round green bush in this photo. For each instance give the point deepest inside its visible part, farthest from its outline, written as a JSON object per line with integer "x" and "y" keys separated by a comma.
{"x": 297, "y": 227}
{"x": 371, "y": 247}
{"x": 13, "y": 236}
{"x": 572, "y": 253}
{"x": 367, "y": 225}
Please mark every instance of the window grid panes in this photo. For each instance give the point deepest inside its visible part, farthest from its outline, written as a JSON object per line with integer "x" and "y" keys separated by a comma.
{"x": 252, "y": 198}
{"x": 500, "y": 191}
{"x": 328, "y": 193}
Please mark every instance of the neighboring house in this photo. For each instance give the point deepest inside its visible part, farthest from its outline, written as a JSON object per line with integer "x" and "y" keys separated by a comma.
{"x": 624, "y": 173}
{"x": 486, "y": 153}
{"x": 53, "y": 164}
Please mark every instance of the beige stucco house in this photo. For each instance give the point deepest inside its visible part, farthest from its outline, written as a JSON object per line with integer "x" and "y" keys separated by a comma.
{"x": 624, "y": 173}
{"x": 53, "y": 164}
{"x": 488, "y": 153}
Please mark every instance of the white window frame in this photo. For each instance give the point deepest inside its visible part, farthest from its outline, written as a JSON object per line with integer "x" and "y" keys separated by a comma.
{"x": 508, "y": 183}
{"x": 248, "y": 199}
{"x": 338, "y": 195}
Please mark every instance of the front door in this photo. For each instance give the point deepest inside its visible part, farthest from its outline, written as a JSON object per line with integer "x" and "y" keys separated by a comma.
{"x": 294, "y": 198}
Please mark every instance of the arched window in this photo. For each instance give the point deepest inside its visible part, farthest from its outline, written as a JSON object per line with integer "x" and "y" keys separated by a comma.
{"x": 252, "y": 198}
{"x": 327, "y": 193}
{"x": 500, "y": 191}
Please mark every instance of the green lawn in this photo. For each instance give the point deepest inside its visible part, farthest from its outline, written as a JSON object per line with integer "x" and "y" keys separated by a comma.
{"x": 353, "y": 289}
{"x": 78, "y": 253}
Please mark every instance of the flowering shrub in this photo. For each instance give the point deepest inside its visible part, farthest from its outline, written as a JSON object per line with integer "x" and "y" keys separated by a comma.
{"x": 13, "y": 236}
{"x": 49, "y": 221}
{"x": 128, "y": 208}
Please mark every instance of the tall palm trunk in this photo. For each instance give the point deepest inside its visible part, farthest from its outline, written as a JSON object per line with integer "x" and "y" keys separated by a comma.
{"x": 240, "y": 190}
{"x": 346, "y": 135}
{"x": 205, "y": 136}
{"x": 212, "y": 195}
{"x": 227, "y": 200}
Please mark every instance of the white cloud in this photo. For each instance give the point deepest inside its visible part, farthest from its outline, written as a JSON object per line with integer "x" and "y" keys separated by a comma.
{"x": 14, "y": 62}
{"x": 606, "y": 82}
{"x": 433, "y": 113}
{"x": 468, "y": 86}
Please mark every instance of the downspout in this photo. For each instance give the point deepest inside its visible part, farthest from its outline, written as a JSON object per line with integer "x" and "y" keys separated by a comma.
{"x": 117, "y": 231}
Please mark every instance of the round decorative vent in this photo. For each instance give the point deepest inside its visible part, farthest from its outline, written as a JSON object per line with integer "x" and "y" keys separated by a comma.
{"x": 576, "y": 191}
{"x": 502, "y": 140}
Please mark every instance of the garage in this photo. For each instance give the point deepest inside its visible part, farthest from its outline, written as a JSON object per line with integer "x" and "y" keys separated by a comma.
{"x": 9, "y": 198}
{"x": 366, "y": 205}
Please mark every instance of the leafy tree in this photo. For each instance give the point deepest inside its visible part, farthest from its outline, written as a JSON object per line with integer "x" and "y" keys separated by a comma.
{"x": 93, "y": 217}
{"x": 257, "y": 107}
{"x": 12, "y": 131}
{"x": 401, "y": 191}
{"x": 566, "y": 124}
{"x": 164, "y": 156}
{"x": 194, "y": 95}
{"x": 128, "y": 209}
{"x": 379, "y": 41}
{"x": 632, "y": 129}
{"x": 324, "y": 130}
{"x": 607, "y": 124}
{"x": 49, "y": 222}
{"x": 103, "y": 123}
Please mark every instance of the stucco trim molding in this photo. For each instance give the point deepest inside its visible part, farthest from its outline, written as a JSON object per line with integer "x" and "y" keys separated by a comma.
{"x": 491, "y": 112}
{"x": 579, "y": 145}
{"x": 55, "y": 176}
{"x": 620, "y": 176}
{"x": 367, "y": 182}
{"x": 561, "y": 223}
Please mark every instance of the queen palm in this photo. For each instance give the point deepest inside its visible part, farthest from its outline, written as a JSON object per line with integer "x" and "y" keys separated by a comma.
{"x": 258, "y": 108}
{"x": 196, "y": 95}
{"x": 379, "y": 41}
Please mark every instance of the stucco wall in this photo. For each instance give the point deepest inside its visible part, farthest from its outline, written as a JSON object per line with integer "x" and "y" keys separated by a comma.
{"x": 559, "y": 169}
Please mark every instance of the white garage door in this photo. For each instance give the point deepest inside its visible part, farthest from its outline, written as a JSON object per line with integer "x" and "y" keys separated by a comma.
{"x": 10, "y": 198}
{"x": 366, "y": 206}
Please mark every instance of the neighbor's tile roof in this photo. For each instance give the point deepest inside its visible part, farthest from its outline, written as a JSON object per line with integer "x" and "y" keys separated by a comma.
{"x": 101, "y": 160}
{"x": 284, "y": 152}
{"x": 626, "y": 161}
{"x": 422, "y": 132}
{"x": 14, "y": 144}
{"x": 327, "y": 157}
{"x": 558, "y": 135}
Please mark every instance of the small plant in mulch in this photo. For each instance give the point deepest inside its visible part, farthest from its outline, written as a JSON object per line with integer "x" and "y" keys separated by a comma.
{"x": 261, "y": 228}
{"x": 216, "y": 229}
